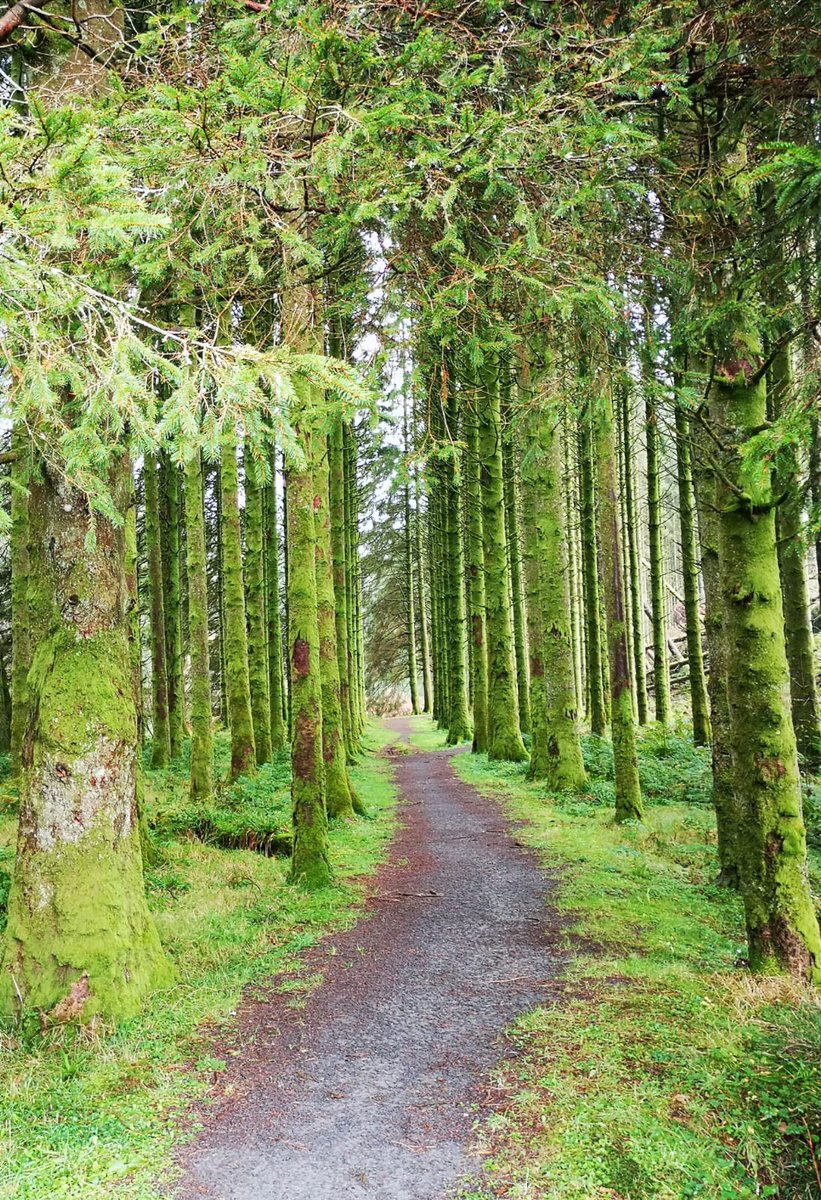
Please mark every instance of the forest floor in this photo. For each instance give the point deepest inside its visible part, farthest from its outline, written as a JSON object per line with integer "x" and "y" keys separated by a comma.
{"x": 556, "y": 1013}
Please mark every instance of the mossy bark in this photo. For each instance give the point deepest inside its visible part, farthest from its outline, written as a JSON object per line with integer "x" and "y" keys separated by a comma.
{"x": 782, "y": 927}
{"x": 515, "y": 556}
{"x": 276, "y": 682}
{"x": 555, "y": 753}
{"x": 18, "y": 553}
{"x": 596, "y": 710}
{"x": 256, "y": 613}
{"x": 172, "y": 599}
{"x": 661, "y": 664}
{"x": 724, "y": 800}
{"x": 339, "y": 540}
{"x": 160, "y": 730}
{"x": 574, "y": 599}
{"x": 795, "y": 591}
{"x": 689, "y": 565}
{"x": 421, "y": 597}
{"x": 202, "y": 742}
{"x": 634, "y": 576}
{"x": 625, "y": 756}
{"x": 79, "y": 941}
{"x": 238, "y": 685}
{"x": 458, "y": 719}
{"x": 476, "y": 584}
{"x": 339, "y": 798}
{"x": 220, "y": 600}
{"x": 504, "y": 735}
{"x": 5, "y": 708}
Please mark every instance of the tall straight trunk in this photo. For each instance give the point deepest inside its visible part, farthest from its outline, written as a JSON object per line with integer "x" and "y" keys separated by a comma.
{"x": 515, "y": 557}
{"x": 410, "y": 600}
{"x": 634, "y": 576}
{"x": 339, "y": 550}
{"x": 435, "y": 555}
{"x": 458, "y": 720}
{"x": 782, "y": 928}
{"x": 661, "y": 664}
{"x": 555, "y": 753}
{"x": 172, "y": 607}
{"x": 355, "y": 584}
{"x": 160, "y": 732}
{"x": 504, "y": 736}
{"x": 427, "y": 686}
{"x": 5, "y": 708}
{"x": 621, "y": 489}
{"x": 286, "y": 578}
{"x": 625, "y": 757}
{"x": 476, "y": 584}
{"x": 574, "y": 598}
{"x": 339, "y": 797}
{"x": 202, "y": 740}
{"x": 724, "y": 801}
{"x": 256, "y": 612}
{"x": 80, "y": 941}
{"x": 276, "y": 683}
{"x": 689, "y": 565}
{"x": 19, "y": 554}
{"x": 238, "y": 686}
{"x": 795, "y": 591}
{"x": 223, "y": 660}
{"x": 815, "y": 492}
{"x": 597, "y": 712}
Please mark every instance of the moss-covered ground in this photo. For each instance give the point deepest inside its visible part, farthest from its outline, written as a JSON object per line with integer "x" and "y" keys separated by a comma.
{"x": 96, "y": 1114}
{"x": 663, "y": 1069}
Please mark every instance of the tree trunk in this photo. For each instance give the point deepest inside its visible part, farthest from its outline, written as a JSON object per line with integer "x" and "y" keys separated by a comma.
{"x": 689, "y": 566}
{"x": 625, "y": 757}
{"x": 276, "y": 683}
{"x": 256, "y": 610}
{"x": 504, "y": 736}
{"x": 340, "y": 574}
{"x": 160, "y": 732}
{"x": 427, "y": 687}
{"x": 476, "y": 583}
{"x": 79, "y": 940}
{"x": 170, "y": 546}
{"x": 19, "y": 554}
{"x": 458, "y": 720}
{"x": 661, "y": 666}
{"x": 782, "y": 929}
{"x": 515, "y": 557}
{"x": 597, "y": 712}
{"x": 202, "y": 742}
{"x": 238, "y": 686}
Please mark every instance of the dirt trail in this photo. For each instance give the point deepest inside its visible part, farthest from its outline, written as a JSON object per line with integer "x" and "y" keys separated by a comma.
{"x": 370, "y": 1090}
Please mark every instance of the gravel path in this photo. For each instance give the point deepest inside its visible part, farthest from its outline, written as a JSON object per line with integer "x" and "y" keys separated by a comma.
{"x": 370, "y": 1090}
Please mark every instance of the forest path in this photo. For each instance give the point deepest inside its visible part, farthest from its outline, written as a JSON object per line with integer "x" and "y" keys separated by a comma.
{"x": 370, "y": 1089}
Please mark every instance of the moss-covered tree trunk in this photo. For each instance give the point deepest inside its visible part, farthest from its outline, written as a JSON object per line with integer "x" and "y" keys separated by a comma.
{"x": 276, "y": 683}
{"x": 555, "y": 753}
{"x": 79, "y": 940}
{"x": 661, "y": 664}
{"x": 572, "y": 564}
{"x": 596, "y": 710}
{"x": 724, "y": 801}
{"x": 5, "y": 708}
{"x": 172, "y": 599}
{"x": 476, "y": 583}
{"x": 632, "y": 548}
{"x": 782, "y": 927}
{"x": 625, "y": 757}
{"x": 238, "y": 686}
{"x": 458, "y": 719}
{"x": 202, "y": 741}
{"x": 421, "y": 597}
{"x": 220, "y": 601}
{"x": 689, "y": 564}
{"x": 18, "y": 553}
{"x": 504, "y": 736}
{"x": 339, "y": 540}
{"x": 515, "y": 556}
{"x": 795, "y": 591}
{"x": 160, "y": 731}
{"x": 256, "y": 612}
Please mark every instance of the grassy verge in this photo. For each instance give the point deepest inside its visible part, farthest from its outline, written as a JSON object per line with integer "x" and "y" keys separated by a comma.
{"x": 97, "y": 1115}
{"x": 664, "y": 1070}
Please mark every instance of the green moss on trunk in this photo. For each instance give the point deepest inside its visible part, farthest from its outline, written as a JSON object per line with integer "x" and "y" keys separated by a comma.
{"x": 421, "y": 598}
{"x": 661, "y": 665}
{"x": 476, "y": 584}
{"x": 238, "y": 686}
{"x": 504, "y": 736}
{"x": 255, "y": 605}
{"x": 18, "y": 554}
{"x": 596, "y": 710}
{"x": 336, "y": 453}
{"x": 202, "y": 744}
{"x": 458, "y": 719}
{"x": 782, "y": 927}
{"x": 160, "y": 731}
{"x": 511, "y": 487}
{"x": 276, "y": 682}
{"x": 79, "y": 939}
{"x": 625, "y": 757}
{"x": 634, "y": 576}
{"x": 172, "y": 605}
{"x": 689, "y": 565}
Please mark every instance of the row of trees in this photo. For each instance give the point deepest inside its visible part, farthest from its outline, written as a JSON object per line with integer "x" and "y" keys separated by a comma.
{"x": 205, "y": 215}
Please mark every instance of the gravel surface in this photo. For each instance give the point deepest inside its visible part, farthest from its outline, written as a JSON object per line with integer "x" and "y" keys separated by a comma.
{"x": 371, "y": 1089}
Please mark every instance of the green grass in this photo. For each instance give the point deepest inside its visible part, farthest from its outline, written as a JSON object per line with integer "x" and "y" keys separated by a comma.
{"x": 662, "y": 1070}
{"x": 96, "y": 1114}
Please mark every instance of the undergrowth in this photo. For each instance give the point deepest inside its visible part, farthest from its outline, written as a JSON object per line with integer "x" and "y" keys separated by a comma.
{"x": 96, "y": 1113}
{"x": 662, "y": 1069}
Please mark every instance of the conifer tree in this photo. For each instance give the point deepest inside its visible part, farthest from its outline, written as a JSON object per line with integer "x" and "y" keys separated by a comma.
{"x": 160, "y": 733}
{"x": 202, "y": 741}
{"x": 255, "y": 604}
{"x": 238, "y": 686}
